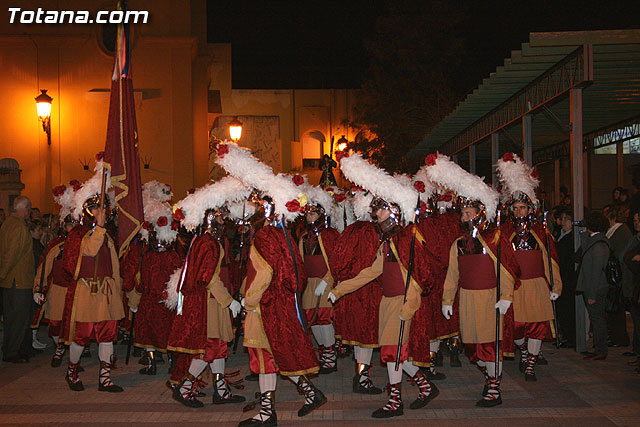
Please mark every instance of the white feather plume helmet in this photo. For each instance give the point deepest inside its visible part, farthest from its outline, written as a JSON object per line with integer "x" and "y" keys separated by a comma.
{"x": 378, "y": 182}
{"x": 212, "y": 196}
{"x": 319, "y": 197}
{"x": 157, "y": 212}
{"x": 423, "y": 184}
{"x": 63, "y": 196}
{"x": 286, "y": 195}
{"x": 90, "y": 188}
{"x": 361, "y": 202}
{"x": 517, "y": 178}
{"x": 341, "y": 208}
{"x": 442, "y": 171}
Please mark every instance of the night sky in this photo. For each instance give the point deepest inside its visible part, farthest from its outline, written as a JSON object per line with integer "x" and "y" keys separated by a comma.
{"x": 319, "y": 44}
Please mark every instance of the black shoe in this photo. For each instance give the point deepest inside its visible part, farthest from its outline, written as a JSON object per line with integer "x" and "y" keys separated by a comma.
{"x": 438, "y": 376}
{"x": 319, "y": 399}
{"x": 421, "y": 403}
{"x": 191, "y": 403}
{"x": 110, "y": 388}
{"x": 77, "y": 386}
{"x": 484, "y": 403}
{"x": 530, "y": 377}
{"x": 252, "y": 377}
{"x": 542, "y": 361}
{"x": 269, "y": 422}
{"x": 149, "y": 370}
{"x": 218, "y": 398}
{"x": 56, "y": 361}
{"x": 328, "y": 369}
{"x": 382, "y": 413}
{"x": 369, "y": 389}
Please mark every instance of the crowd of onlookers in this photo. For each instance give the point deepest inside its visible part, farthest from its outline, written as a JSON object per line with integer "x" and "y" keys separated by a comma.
{"x": 612, "y": 231}
{"x": 24, "y": 235}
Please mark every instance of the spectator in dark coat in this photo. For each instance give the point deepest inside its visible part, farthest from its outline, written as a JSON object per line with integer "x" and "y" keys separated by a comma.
{"x": 566, "y": 303}
{"x": 592, "y": 281}
{"x": 618, "y": 235}
{"x": 632, "y": 291}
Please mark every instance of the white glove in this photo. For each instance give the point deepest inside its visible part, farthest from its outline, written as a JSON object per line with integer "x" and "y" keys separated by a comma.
{"x": 242, "y": 302}
{"x": 332, "y": 297}
{"x": 38, "y": 297}
{"x": 447, "y": 311}
{"x": 133, "y": 309}
{"x": 320, "y": 288}
{"x": 503, "y": 305}
{"x": 235, "y": 308}
{"x": 554, "y": 296}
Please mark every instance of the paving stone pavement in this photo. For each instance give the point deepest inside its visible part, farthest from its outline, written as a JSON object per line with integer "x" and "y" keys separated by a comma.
{"x": 569, "y": 392}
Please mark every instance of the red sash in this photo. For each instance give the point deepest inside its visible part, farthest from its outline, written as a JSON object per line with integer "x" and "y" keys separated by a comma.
{"x": 392, "y": 280}
{"x": 531, "y": 264}
{"x": 315, "y": 266}
{"x": 104, "y": 264}
{"x": 477, "y": 272}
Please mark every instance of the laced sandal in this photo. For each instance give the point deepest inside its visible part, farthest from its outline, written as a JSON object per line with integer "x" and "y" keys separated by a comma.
{"x": 529, "y": 373}
{"x": 426, "y": 391}
{"x": 328, "y": 360}
{"x": 267, "y": 415}
{"x": 362, "y": 382}
{"x": 493, "y": 396}
{"x": 151, "y": 368}
{"x": 222, "y": 393}
{"x": 185, "y": 392}
{"x": 56, "y": 360}
{"x": 394, "y": 407}
{"x": 522, "y": 364}
{"x": 72, "y": 377}
{"x": 104, "y": 379}
{"x": 313, "y": 397}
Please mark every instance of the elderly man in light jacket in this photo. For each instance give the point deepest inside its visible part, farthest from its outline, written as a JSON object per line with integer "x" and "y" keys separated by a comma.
{"x": 16, "y": 280}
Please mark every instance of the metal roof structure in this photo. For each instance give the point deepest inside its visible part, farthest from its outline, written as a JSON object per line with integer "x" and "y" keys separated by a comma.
{"x": 535, "y": 82}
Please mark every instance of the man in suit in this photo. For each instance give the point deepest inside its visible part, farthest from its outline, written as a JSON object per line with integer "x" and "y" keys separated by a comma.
{"x": 566, "y": 304}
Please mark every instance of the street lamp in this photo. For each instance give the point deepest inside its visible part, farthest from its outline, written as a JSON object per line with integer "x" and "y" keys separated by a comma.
{"x": 235, "y": 129}
{"x": 43, "y": 106}
{"x": 342, "y": 143}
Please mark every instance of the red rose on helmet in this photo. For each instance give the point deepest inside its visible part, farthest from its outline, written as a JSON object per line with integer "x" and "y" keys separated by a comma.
{"x": 298, "y": 179}
{"x": 99, "y": 156}
{"x": 178, "y": 215}
{"x": 222, "y": 150}
{"x": 329, "y": 189}
{"x": 534, "y": 174}
{"x": 508, "y": 157}
{"x": 162, "y": 221}
{"x": 175, "y": 225}
{"x": 146, "y": 225}
{"x": 75, "y": 184}
{"x": 447, "y": 197}
{"x": 430, "y": 160}
{"x": 341, "y": 155}
{"x": 293, "y": 206}
{"x": 423, "y": 207}
{"x": 419, "y": 185}
{"x": 339, "y": 198}
{"x": 59, "y": 190}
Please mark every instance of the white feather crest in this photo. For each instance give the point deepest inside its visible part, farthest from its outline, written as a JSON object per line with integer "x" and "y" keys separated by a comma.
{"x": 450, "y": 175}
{"x": 172, "y": 289}
{"x": 361, "y": 209}
{"x": 157, "y": 191}
{"x": 516, "y": 177}
{"x": 211, "y": 196}
{"x": 154, "y": 202}
{"x": 239, "y": 162}
{"x": 237, "y": 209}
{"x": 90, "y": 188}
{"x": 317, "y": 196}
{"x": 65, "y": 200}
{"x": 380, "y": 183}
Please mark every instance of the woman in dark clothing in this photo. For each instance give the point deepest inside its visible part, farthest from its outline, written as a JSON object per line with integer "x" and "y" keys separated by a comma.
{"x": 632, "y": 291}
{"x": 618, "y": 235}
{"x": 592, "y": 281}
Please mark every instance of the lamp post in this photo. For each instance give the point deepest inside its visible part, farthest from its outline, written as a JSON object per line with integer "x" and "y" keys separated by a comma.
{"x": 43, "y": 106}
{"x": 235, "y": 129}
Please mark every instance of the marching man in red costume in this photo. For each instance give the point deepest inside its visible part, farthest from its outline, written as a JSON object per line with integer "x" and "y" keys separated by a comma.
{"x": 93, "y": 302}
{"x": 472, "y": 271}
{"x": 275, "y": 327}
{"x": 534, "y": 250}
{"x": 51, "y": 292}
{"x": 146, "y": 271}
{"x": 316, "y": 245}
{"x": 393, "y": 198}
{"x": 204, "y": 307}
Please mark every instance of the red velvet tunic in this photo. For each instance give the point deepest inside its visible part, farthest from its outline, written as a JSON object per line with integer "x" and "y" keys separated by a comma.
{"x": 153, "y": 319}
{"x": 290, "y": 346}
{"x": 356, "y": 314}
{"x": 439, "y": 232}
{"x": 189, "y": 330}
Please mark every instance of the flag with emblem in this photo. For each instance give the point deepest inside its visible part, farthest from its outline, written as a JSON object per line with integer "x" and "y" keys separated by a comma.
{"x": 121, "y": 149}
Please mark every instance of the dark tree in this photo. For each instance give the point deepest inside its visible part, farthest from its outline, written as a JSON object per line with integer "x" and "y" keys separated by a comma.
{"x": 414, "y": 53}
